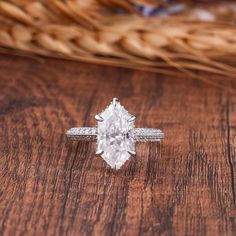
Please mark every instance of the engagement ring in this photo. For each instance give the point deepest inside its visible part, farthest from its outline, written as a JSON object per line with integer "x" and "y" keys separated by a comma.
{"x": 115, "y": 134}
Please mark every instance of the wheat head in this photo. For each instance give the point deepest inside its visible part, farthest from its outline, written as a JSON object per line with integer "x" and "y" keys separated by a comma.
{"x": 93, "y": 31}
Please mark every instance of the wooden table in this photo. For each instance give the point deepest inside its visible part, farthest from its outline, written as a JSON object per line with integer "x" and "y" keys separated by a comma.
{"x": 50, "y": 186}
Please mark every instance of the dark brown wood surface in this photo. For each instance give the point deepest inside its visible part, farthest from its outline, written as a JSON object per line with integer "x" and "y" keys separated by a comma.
{"x": 49, "y": 186}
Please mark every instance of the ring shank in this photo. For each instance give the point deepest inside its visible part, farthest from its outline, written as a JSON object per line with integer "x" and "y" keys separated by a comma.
{"x": 139, "y": 134}
{"x": 148, "y": 135}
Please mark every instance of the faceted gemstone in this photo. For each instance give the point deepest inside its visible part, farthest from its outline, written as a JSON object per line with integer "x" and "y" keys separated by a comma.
{"x": 115, "y": 135}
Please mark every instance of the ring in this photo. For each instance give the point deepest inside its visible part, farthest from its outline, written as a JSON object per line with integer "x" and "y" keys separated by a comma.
{"x": 115, "y": 134}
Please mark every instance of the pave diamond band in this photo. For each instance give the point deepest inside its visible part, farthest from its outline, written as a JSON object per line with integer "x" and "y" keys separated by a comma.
{"x": 82, "y": 133}
{"x": 148, "y": 135}
{"x": 115, "y": 134}
{"x": 139, "y": 134}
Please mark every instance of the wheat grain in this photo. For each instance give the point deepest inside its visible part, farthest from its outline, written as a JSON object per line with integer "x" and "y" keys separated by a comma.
{"x": 92, "y": 32}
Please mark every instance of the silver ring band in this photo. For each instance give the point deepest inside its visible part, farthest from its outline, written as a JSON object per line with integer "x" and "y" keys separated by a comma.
{"x": 139, "y": 134}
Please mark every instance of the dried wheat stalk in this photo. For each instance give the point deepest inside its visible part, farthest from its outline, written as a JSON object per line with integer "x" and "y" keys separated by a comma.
{"x": 90, "y": 31}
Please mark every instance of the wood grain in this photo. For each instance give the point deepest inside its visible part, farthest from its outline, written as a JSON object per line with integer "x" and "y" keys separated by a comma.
{"x": 49, "y": 186}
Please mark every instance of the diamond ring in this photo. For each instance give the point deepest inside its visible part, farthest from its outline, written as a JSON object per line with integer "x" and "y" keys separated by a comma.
{"x": 115, "y": 134}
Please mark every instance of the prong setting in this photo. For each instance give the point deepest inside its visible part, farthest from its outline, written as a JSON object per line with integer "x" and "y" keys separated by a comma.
{"x": 115, "y": 101}
{"x": 132, "y": 118}
{"x": 132, "y": 153}
{"x": 99, "y": 152}
{"x": 99, "y": 118}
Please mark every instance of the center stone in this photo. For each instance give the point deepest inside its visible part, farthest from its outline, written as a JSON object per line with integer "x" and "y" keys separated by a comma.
{"x": 115, "y": 139}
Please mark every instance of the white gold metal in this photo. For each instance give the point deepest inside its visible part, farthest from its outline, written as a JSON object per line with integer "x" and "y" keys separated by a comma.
{"x": 99, "y": 118}
{"x": 99, "y": 152}
{"x": 115, "y": 134}
{"x": 132, "y": 153}
{"x": 115, "y": 101}
{"x": 132, "y": 118}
